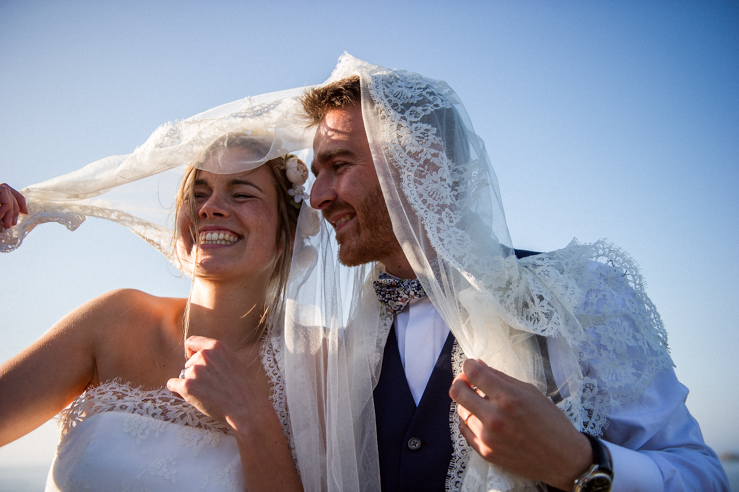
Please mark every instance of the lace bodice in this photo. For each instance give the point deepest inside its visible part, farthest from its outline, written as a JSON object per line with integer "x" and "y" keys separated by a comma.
{"x": 119, "y": 437}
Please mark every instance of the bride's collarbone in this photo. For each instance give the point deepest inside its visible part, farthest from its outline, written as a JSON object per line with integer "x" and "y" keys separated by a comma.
{"x": 144, "y": 347}
{"x": 150, "y": 351}
{"x": 146, "y": 365}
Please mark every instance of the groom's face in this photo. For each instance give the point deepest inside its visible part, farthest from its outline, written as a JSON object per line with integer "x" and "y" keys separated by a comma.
{"x": 347, "y": 190}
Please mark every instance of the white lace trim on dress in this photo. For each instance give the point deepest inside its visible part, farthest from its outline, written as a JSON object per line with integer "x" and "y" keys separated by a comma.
{"x": 163, "y": 405}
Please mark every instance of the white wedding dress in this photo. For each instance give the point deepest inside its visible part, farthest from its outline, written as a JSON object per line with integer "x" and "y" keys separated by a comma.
{"x": 115, "y": 437}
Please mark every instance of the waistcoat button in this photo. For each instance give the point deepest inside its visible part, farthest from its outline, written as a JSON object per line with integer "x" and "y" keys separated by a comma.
{"x": 414, "y": 444}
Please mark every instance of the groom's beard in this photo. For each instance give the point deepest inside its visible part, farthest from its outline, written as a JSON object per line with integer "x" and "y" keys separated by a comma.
{"x": 370, "y": 237}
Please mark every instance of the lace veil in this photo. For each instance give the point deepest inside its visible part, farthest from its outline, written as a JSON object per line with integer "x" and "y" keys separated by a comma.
{"x": 138, "y": 190}
{"x": 584, "y": 302}
{"x": 587, "y": 301}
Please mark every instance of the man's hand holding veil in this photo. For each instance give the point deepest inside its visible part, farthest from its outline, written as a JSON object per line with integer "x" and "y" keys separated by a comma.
{"x": 513, "y": 425}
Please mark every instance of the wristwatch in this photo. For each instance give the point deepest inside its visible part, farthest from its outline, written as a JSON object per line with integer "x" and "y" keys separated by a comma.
{"x": 599, "y": 477}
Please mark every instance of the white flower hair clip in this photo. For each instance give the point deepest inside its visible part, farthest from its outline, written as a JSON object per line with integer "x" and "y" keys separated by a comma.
{"x": 297, "y": 173}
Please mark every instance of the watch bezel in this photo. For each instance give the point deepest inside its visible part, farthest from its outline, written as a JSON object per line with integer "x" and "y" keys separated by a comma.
{"x": 587, "y": 482}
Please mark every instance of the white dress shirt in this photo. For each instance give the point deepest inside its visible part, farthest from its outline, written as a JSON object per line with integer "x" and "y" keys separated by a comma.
{"x": 421, "y": 334}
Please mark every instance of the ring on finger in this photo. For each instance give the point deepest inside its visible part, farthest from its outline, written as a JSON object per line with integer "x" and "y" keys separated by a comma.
{"x": 182, "y": 373}
{"x": 467, "y": 418}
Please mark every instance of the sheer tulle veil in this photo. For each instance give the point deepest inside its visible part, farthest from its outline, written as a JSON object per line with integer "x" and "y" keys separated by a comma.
{"x": 447, "y": 213}
{"x": 138, "y": 190}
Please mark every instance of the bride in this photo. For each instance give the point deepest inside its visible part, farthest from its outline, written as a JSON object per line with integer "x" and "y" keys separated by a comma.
{"x": 176, "y": 394}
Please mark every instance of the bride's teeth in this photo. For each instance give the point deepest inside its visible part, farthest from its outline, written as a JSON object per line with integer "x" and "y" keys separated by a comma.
{"x": 217, "y": 238}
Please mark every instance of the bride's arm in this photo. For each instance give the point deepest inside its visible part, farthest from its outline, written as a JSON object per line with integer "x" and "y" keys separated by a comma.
{"x": 45, "y": 377}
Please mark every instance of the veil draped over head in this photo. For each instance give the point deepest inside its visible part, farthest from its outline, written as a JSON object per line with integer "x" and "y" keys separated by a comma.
{"x": 138, "y": 190}
{"x": 586, "y": 302}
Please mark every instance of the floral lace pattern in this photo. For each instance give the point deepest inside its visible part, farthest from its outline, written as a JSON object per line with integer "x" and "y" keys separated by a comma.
{"x": 132, "y": 452}
{"x": 162, "y": 405}
{"x": 619, "y": 337}
{"x": 272, "y": 361}
{"x": 440, "y": 191}
{"x": 140, "y": 429}
{"x": 69, "y": 199}
{"x": 158, "y": 404}
{"x": 198, "y": 440}
{"x": 163, "y": 466}
{"x": 72, "y": 216}
{"x": 162, "y": 442}
{"x": 439, "y": 185}
{"x": 222, "y": 478}
{"x": 602, "y": 312}
{"x": 11, "y": 239}
{"x": 461, "y": 449}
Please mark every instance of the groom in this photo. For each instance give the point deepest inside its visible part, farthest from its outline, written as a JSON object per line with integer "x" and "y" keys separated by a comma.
{"x": 514, "y": 426}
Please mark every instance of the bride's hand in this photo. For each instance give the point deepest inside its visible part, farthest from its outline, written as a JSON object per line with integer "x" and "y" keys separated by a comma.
{"x": 12, "y": 203}
{"x": 216, "y": 383}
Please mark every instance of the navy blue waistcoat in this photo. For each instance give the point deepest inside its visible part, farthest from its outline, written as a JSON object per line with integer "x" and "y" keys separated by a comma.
{"x": 414, "y": 443}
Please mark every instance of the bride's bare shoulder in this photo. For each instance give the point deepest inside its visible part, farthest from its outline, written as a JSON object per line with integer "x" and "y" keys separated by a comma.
{"x": 128, "y": 297}
{"x": 123, "y": 304}
{"x": 126, "y": 311}
{"x": 132, "y": 329}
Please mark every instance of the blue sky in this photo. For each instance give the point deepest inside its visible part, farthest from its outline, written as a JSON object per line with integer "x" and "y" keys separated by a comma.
{"x": 615, "y": 120}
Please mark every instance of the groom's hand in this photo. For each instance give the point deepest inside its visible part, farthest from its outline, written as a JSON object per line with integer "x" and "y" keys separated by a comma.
{"x": 12, "y": 203}
{"x": 513, "y": 425}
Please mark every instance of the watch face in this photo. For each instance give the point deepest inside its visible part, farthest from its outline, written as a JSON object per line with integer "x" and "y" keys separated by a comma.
{"x": 597, "y": 483}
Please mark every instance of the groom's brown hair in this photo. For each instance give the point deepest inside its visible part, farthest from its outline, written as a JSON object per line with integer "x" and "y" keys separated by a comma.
{"x": 319, "y": 101}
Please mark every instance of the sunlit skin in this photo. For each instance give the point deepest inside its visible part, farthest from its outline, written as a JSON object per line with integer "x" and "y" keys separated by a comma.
{"x": 348, "y": 193}
{"x": 138, "y": 338}
{"x": 514, "y": 425}
{"x": 242, "y": 206}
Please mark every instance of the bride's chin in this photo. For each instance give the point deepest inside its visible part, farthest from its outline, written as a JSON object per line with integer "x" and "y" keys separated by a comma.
{"x": 208, "y": 267}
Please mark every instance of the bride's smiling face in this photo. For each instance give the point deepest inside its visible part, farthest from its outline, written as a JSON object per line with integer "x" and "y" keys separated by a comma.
{"x": 237, "y": 220}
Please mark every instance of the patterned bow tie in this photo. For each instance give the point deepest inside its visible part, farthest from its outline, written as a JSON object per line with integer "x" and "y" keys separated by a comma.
{"x": 396, "y": 293}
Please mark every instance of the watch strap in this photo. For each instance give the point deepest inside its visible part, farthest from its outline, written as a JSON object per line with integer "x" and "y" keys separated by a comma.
{"x": 601, "y": 455}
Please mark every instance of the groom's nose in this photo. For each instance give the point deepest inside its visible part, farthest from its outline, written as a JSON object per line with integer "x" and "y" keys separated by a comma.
{"x": 322, "y": 193}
